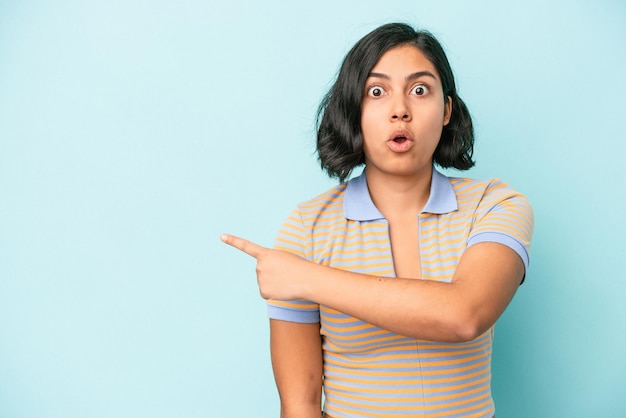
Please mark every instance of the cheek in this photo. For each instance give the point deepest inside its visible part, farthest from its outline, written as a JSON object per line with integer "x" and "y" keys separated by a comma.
{"x": 434, "y": 116}
{"x": 368, "y": 122}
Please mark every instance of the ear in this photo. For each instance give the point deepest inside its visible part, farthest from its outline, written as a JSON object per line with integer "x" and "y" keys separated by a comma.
{"x": 447, "y": 111}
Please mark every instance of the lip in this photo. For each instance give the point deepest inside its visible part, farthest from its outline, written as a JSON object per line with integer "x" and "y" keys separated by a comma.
{"x": 401, "y": 133}
{"x": 400, "y": 141}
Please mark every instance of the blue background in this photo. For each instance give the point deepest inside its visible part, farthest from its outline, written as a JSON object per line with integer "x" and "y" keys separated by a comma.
{"x": 133, "y": 133}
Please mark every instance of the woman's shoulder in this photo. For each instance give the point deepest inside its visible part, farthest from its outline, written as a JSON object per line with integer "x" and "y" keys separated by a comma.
{"x": 468, "y": 187}
{"x": 331, "y": 199}
{"x": 485, "y": 192}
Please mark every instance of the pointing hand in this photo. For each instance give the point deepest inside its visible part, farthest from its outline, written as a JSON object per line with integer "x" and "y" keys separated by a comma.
{"x": 280, "y": 275}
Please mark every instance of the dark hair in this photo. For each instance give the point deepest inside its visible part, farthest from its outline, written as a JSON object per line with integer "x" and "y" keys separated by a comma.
{"x": 339, "y": 136}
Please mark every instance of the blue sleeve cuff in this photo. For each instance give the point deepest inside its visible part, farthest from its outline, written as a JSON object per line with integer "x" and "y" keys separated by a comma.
{"x": 293, "y": 315}
{"x": 503, "y": 239}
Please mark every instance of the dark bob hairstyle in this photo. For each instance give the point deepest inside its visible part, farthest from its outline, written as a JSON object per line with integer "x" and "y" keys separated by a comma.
{"x": 339, "y": 136}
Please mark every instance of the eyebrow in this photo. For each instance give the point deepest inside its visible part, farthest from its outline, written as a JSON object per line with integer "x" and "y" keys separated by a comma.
{"x": 409, "y": 77}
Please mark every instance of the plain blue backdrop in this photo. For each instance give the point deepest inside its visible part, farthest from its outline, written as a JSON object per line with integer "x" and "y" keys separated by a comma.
{"x": 133, "y": 133}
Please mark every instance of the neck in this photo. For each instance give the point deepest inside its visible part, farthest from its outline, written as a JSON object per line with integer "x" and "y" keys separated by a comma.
{"x": 396, "y": 195}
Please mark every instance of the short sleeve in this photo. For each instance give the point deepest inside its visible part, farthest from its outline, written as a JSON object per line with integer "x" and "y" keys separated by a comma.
{"x": 293, "y": 237}
{"x": 506, "y": 217}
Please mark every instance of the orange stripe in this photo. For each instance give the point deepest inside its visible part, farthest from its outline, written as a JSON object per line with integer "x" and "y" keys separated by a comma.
{"x": 294, "y": 305}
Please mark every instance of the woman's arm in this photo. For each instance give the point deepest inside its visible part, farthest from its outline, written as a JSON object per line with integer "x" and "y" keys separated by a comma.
{"x": 484, "y": 283}
{"x": 297, "y": 361}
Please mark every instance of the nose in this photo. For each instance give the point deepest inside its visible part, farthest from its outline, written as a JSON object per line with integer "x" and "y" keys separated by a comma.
{"x": 400, "y": 111}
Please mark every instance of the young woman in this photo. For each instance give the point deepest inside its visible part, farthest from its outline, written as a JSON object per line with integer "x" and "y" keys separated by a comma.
{"x": 383, "y": 291}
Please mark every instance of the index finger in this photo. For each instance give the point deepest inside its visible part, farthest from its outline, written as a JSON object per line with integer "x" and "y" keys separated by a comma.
{"x": 244, "y": 245}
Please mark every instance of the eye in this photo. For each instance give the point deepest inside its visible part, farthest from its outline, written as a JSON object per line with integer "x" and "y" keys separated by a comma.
{"x": 375, "y": 91}
{"x": 419, "y": 90}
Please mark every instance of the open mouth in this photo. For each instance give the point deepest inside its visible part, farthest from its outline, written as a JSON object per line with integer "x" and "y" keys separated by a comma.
{"x": 400, "y": 141}
{"x": 400, "y": 136}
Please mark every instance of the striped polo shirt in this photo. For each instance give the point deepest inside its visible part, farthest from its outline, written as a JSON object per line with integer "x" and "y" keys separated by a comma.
{"x": 369, "y": 371}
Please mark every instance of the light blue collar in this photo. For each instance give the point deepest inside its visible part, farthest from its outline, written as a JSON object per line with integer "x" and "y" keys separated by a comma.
{"x": 358, "y": 205}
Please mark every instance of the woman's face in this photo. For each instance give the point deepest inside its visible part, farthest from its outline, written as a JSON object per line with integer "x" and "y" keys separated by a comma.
{"x": 403, "y": 113}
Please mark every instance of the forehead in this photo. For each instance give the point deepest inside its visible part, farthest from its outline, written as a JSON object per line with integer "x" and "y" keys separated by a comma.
{"x": 404, "y": 59}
